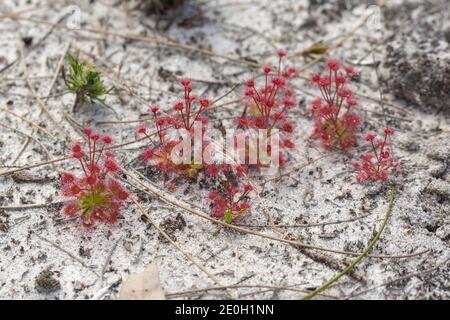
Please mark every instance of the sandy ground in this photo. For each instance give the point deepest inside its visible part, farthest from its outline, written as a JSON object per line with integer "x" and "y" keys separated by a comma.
{"x": 45, "y": 256}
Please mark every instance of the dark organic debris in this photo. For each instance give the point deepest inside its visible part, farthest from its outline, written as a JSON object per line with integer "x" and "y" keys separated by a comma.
{"x": 158, "y": 6}
{"x": 171, "y": 225}
{"x": 45, "y": 282}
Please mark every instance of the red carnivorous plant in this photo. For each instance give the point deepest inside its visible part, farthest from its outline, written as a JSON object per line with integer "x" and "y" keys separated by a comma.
{"x": 377, "y": 164}
{"x": 335, "y": 122}
{"x": 266, "y": 104}
{"x": 96, "y": 195}
{"x": 188, "y": 117}
{"x": 230, "y": 203}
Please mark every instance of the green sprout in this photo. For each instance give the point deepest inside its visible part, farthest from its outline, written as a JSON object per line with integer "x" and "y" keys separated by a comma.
{"x": 85, "y": 83}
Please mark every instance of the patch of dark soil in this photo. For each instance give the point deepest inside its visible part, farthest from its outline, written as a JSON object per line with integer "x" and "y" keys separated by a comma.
{"x": 4, "y": 226}
{"x": 417, "y": 70}
{"x": 419, "y": 79}
{"x": 46, "y": 282}
{"x": 435, "y": 202}
{"x": 333, "y": 9}
{"x": 159, "y": 6}
{"x": 4, "y": 221}
{"x": 434, "y": 285}
{"x": 171, "y": 225}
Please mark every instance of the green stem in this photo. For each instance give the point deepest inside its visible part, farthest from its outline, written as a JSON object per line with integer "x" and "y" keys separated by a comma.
{"x": 327, "y": 284}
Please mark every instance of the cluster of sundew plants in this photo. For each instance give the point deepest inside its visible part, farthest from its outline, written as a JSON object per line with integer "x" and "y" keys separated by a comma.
{"x": 97, "y": 196}
{"x": 186, "y": 113}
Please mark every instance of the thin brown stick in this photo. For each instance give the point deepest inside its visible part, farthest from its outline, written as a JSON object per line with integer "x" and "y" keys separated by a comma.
{"x": 149, "y": 188}
{"x": 308, "y": 225}
{"x": 21, "y": 150}
{"x": 301, "y": 166}
{"x": 415, "y": 274}
{"x": 20, "y": 12}
{"x": 154, "y": 40}
{"x": 333, "y": 47}
{"x": 128, "y": 89}
{"x": 30, "y": 205}
{"x": 318, "y": 257}
{"x": 41, "y": 102}
{"x": 31, "y": 166}
{"x": 45, "y": 163}
{"x": 67, "y": 253}
{"x": 237, "y": 286}
{"x": 226, "y": 93}
{"x": 144, "y": 119}
{"x": 386, "y": 103}
{"x": 108, "y": 260}
{"x": 31, "y": 123}
{"x": 363, "y": 96}
{"x": 27, "y": 136}
{"x": 50, "y": 88}
{"x": 179, "y": 248}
